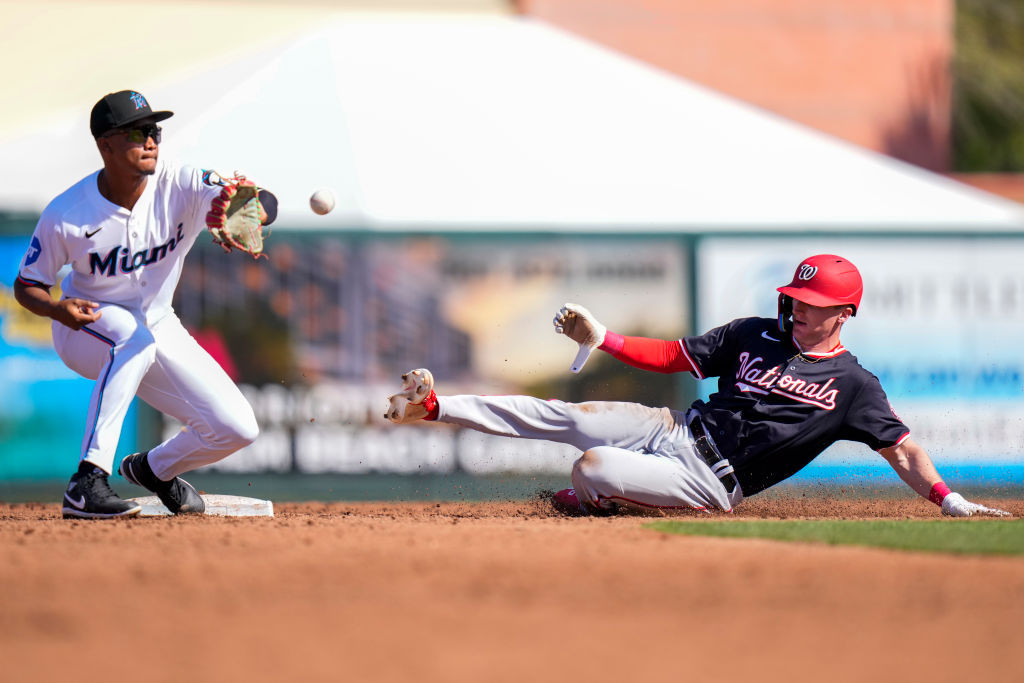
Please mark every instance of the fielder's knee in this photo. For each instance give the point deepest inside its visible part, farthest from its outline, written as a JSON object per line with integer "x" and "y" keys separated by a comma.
{"x": 245, "y": 432}
{"x": 235, "y": 434}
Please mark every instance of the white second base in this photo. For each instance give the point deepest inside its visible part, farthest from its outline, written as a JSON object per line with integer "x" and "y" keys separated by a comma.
{"x": 216, "y": 505}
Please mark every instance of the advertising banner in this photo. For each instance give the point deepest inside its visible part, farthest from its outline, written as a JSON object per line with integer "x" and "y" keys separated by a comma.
{"x": 319, "y": 334}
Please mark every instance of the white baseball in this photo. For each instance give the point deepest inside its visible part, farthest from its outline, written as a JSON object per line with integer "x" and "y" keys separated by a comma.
{"x": 322, "y": 201}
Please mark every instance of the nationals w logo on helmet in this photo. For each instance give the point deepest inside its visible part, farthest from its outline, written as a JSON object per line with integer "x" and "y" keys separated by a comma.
{"x": 806, "y": 271}
{"x": 826, "y": 280}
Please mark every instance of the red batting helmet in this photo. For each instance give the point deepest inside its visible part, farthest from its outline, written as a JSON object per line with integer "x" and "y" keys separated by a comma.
{"x": 826, "y": 280}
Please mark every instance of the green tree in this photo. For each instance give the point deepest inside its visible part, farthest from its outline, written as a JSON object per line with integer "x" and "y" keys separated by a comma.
{"x": 988, "y": 86}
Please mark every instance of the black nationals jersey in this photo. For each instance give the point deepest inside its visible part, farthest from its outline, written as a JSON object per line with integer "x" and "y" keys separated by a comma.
{"x": 777, "y": 409}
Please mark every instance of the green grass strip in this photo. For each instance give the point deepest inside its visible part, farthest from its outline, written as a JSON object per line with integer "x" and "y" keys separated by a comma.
{"x": 968, "y": 537}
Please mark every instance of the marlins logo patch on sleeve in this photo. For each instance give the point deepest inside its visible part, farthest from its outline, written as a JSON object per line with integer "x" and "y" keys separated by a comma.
{"x": 34, "y": 250}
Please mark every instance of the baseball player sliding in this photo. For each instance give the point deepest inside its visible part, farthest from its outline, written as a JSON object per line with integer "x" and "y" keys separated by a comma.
{"x": 787, "y": 390}
{"x": 125, "y": 230}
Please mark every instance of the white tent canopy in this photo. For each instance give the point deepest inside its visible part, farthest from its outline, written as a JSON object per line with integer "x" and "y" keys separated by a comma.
{"x": 477, "y": 122}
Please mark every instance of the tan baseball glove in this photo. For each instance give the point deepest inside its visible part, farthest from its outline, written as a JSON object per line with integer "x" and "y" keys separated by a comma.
{"x": 237, "y": 217}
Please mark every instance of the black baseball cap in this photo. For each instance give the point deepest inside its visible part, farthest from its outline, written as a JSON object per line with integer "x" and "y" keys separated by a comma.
{"x": 118, "y": 109}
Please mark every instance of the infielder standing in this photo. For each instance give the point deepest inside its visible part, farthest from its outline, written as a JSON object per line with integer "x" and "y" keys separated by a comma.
{"x": 125, "y": 230}
{"x": 787, "y": 390}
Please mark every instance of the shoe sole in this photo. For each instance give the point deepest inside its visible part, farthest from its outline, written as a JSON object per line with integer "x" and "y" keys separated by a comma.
{"x": 73, "y": 513}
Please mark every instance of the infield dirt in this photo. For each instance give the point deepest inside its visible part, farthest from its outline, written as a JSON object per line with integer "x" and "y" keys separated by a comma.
{"x": 493, "y": 592}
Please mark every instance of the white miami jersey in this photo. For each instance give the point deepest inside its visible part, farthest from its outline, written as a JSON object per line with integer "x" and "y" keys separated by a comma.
{"x": 130, "y": 258}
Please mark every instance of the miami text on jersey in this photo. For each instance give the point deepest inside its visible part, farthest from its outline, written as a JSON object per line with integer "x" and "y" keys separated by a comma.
{"x": 108, "y": 265}
{"x": 753, "y": 378}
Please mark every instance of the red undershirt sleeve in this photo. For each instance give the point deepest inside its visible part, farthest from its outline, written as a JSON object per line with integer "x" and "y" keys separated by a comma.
{"x": 656, "y": 355}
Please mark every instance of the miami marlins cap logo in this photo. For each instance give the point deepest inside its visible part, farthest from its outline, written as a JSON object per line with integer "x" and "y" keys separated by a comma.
{"x": 120, "y": 109}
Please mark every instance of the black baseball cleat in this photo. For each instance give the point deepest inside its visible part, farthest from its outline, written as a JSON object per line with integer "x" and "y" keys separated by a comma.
{"x": 89, "y": 496}
{"x": 178, "y": 495}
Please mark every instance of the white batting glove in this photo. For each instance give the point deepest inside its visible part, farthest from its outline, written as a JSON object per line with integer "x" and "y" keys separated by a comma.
{"x": 580, "y": 325}
{"x": 955, "y": 505}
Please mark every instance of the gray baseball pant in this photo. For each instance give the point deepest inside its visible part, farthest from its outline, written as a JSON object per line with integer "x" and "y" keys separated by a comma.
{"x": 632, "y": 454}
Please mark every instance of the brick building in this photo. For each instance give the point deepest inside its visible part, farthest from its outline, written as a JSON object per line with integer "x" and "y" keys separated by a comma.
{"x": 873, "y": 72}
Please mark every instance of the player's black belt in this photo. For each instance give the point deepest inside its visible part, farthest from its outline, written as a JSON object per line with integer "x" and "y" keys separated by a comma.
{"x": 706, "y": 448}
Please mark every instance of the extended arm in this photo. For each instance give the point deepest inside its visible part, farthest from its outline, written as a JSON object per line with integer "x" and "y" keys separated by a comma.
{"x": 656, "y": 355}
{"x": 72, "y": 312}
{"x": 915, "y": 467}
{"x": 582, "y": 327}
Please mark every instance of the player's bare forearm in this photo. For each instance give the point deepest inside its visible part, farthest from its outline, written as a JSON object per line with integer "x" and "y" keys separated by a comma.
{"x": 71, "y": 312}
{"x": 913, "y": 465}
{"x": 35, "y": 298}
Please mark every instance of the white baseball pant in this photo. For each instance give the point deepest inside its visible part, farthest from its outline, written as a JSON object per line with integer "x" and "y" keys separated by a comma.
{"x": 165, "y": 367}
{"x": 632, "y": 454}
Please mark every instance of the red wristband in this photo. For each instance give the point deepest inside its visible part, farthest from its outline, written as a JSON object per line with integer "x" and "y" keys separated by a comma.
{"x": 938, "y": 492}
{"x": 612, "y": 343}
